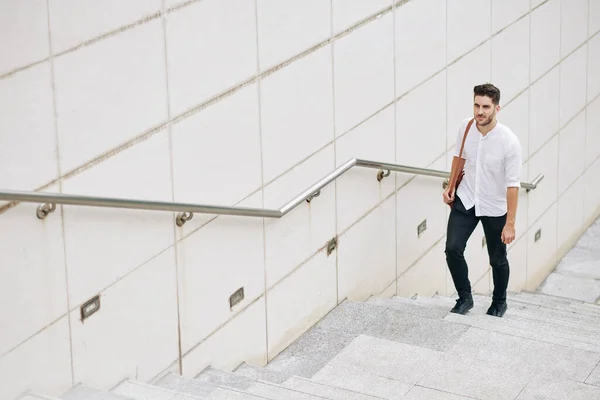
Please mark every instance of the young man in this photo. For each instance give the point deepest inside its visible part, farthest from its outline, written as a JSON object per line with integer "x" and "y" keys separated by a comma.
{"x": 488, "y": 192}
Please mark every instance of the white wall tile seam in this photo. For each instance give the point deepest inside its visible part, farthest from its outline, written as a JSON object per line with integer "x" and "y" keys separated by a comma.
{"x": 39, "y": 331}
{"x": 237, "y": 314}
{"x": 124, "y": 276}
{"x": 60, "y": 190}
{"x": 192, "y": 111}
{"x": 262, "y": 175}
{"x": 395, "y": 8}
{"x": 169, "y": 127}
{"x": 425, "y": 253}
{"x": 562, "y": 194}
{"x": 335, "y": 188}
{"x": 560, "y": 107}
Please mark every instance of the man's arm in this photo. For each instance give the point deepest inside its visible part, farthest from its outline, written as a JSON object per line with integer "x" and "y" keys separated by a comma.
{"x": 512, "y": 172}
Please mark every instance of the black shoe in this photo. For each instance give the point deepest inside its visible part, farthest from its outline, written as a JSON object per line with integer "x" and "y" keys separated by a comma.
{"x": 462, "y": 305}
{"x": 497, "y": 309}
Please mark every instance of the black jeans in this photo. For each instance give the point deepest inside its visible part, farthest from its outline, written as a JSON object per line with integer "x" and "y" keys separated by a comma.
{"x": 461, "y": 225}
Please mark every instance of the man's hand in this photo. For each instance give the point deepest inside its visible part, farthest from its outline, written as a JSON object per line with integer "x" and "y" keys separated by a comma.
{"x": 448, "y": 196}
{"x": 508, "y": 233}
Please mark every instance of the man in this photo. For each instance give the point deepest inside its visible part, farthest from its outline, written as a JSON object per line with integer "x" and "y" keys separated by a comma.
{"x": 488, "y": 192}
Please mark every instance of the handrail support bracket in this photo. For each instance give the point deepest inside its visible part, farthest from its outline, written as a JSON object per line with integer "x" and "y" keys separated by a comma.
{"x": 45, "y": 209}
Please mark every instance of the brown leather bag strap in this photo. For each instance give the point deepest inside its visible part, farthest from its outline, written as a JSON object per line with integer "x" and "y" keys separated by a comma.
{"x": 462, "y": 146}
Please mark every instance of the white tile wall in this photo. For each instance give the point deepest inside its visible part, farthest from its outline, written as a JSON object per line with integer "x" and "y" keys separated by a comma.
{"x": 592, "y": 132}
{"x": 484, "y": 284}
{"x": 570, "y": 213}
{"x": 594, "y": 21}
{"x": 541, "y": 255}
{"x": 573, "y": 85}
{"x": 421, "y": 126}
{"x": 545, "y": 38}
{"x": 544, "y": 114}
{"x": 23, "y": 33}
{"x": 210, "y": 272}
{"x": 505, "y": 12}
{"x": 287, "y": 28}
{"x": 571, "y": 147}
{"x": 134, "y": 333}
{"x": 410, "y": 213}
{"x": 211, "y": 47}
{"x": 591, "y": 199}
{"x": 363, "y": 72}
{"x": 109, "y": 92}
{"x": 346, "y": 13}
{"x": 426, "y": 277}
{"x": 296, "y": 112}
{"x": 33, "y": 291}
{"x": 517, "y": 259}
{"x": 515, "y": 115}
{"x": 42, "y": 364}
{"x": 593, "y": 77}
{"x": 27, "y": 134}
{"x": 417, "y": 60}
{"x": 226, "y": 349}
{"x": 97, "y": 253}
{"x": 211, "y": 151}
{"x": 299, "y": 301}
{"x": 358, "y": 191}
{"x": 474, "y": 14}
{"x": 73, "y": 22}
{"x": 473, "y": 69}
{"x": 509, "y": 75}
{"x": 574, "y": 25}
{"x": 522, "y": 220}
{"x": 294, "y": 238}
{"x": 367, "y": 252}
{"x": 546, "y": 162}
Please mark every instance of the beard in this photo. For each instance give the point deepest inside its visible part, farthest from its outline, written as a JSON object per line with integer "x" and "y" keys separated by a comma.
{"x": 487, "y": 121}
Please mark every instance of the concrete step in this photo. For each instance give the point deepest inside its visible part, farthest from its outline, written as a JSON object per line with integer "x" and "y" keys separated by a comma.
{"x": 255, "y": 373}
{"x": 143, "y": 391}
{"x": 229, "y": 379}
{"x": 362, "y": 382}
{"x": 500, "y": 326}
{"x": 575, "y": 306}
{"x": 573, "y": 287}
{"x": 257, "y": 387}
{"x": 409, "y": 306}
{"x": 36, "y": 396}
{"x": 275, "y": 392}
{"x": 82, "y": 392}
{"x": 391, "y": 370}
{"x": 202, "y": 389}
{"x": 328, "y": 337}
{"x": 324, "y": 390}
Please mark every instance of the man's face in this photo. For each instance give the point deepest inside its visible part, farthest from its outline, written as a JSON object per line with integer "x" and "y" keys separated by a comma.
{"x": 484, "y": 110}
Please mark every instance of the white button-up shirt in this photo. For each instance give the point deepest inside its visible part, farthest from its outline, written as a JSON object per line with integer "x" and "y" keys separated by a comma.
{"x": 493, "y": 163}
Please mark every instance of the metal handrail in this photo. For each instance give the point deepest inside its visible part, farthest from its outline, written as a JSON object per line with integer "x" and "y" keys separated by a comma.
{"x": 186, "y": 210}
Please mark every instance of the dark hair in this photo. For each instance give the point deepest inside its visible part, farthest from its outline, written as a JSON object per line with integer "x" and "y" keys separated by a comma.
{"x": 489, "y": 90}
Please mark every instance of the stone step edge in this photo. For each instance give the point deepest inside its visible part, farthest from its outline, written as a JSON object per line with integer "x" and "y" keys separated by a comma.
{"x": 302, "y": 378}
{"x": 153, "y": 387}
{"x": 516, "y": 332}
{"x": 523, "y": 317}
{"x": 256, "y": 381}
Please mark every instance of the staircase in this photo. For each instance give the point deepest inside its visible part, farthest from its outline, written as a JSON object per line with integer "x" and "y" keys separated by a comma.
{"x": 547, "y": 346}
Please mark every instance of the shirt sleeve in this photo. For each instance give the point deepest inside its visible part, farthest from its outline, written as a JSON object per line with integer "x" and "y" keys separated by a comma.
{"x": 513, "y": 165}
